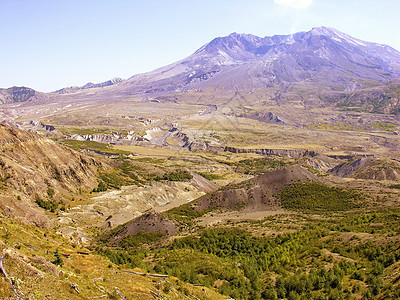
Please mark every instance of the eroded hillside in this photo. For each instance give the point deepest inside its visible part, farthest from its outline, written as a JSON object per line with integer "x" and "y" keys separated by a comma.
{"x": 35, "y": 169}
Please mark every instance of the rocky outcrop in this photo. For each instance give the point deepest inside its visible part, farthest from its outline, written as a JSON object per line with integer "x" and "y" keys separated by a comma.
{"x": 348, "y": 168}
{"x": 266, "y": 152}
{"x": 114, "y": 139}
{"x": 197, "y": 77}
{"x": 41, "y": 126}
{"x": 152, "y": 133}
{"x": 100, "y": 138}
{"x": 202, "y": 183}
{"x": 194, "y": 146}
{"x": 267, "y": 117}
{"x": 180, "y": 138}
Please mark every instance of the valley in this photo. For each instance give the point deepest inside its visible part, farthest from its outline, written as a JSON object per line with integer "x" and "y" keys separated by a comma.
{"x": 256, "y": 168}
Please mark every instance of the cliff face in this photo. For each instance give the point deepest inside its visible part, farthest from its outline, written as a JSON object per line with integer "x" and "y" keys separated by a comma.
{"x": 33, "y": 167}
{"x": 266, "y": 152}
{"x": 276, "y": 152}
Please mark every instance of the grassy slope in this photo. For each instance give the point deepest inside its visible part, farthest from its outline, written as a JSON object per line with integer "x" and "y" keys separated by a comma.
{"x": 28, "y": 255}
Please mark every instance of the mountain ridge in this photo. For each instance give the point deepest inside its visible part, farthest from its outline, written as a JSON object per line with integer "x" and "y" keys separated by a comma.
{"x": 89, "y": 85}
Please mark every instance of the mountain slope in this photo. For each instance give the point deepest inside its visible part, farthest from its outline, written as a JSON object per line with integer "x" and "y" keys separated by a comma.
{"x": 258, "y": 194}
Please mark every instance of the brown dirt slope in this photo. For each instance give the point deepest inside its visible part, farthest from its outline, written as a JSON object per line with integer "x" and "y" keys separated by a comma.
{"x": 256, "y": 193}
{"x": 202, "y": 183}
{"x": 150, "y": 222}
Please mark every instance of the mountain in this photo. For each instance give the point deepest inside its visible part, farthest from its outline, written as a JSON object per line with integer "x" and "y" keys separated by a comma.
{"x": 149, "y": 222}
{"x": 323, "y": 56}
{"x": 319, "y": 67}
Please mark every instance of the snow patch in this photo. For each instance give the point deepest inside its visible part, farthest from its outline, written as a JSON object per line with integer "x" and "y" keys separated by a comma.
{"x": 348, "y": 38}
{"x": 290, "y": 41}
{"x": 227, "y": 60}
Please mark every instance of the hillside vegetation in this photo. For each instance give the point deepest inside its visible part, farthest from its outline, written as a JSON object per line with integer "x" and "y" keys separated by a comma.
{"x": 315, "y": 197}
{"x": 314, "y": 236}
{"x": 328, "y": 249}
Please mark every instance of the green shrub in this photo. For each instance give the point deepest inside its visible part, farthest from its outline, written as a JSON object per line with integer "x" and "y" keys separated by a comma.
{"x": 178, "y": 175}
{"x": 184, "y": 214}
{"x": 134, "y": 241}
{"x": 313, "y": 196}
{"x": 132, "y": 258}
{"x": 101, "y": 187}
{"x": 58, "y": 261}
{"x": 50, "y": 192}
{"x": 47, "y": 204}
{"x": 259, "y": 165}
{"x": 209, "y": 176}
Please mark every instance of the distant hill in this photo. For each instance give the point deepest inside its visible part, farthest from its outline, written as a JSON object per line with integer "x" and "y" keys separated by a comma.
{"x": 89, "y": 85}
{"x": 19, "y": 94}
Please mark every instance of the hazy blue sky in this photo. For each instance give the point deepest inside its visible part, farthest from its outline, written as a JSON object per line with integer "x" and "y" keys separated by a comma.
{"x": 50, "y": 44}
